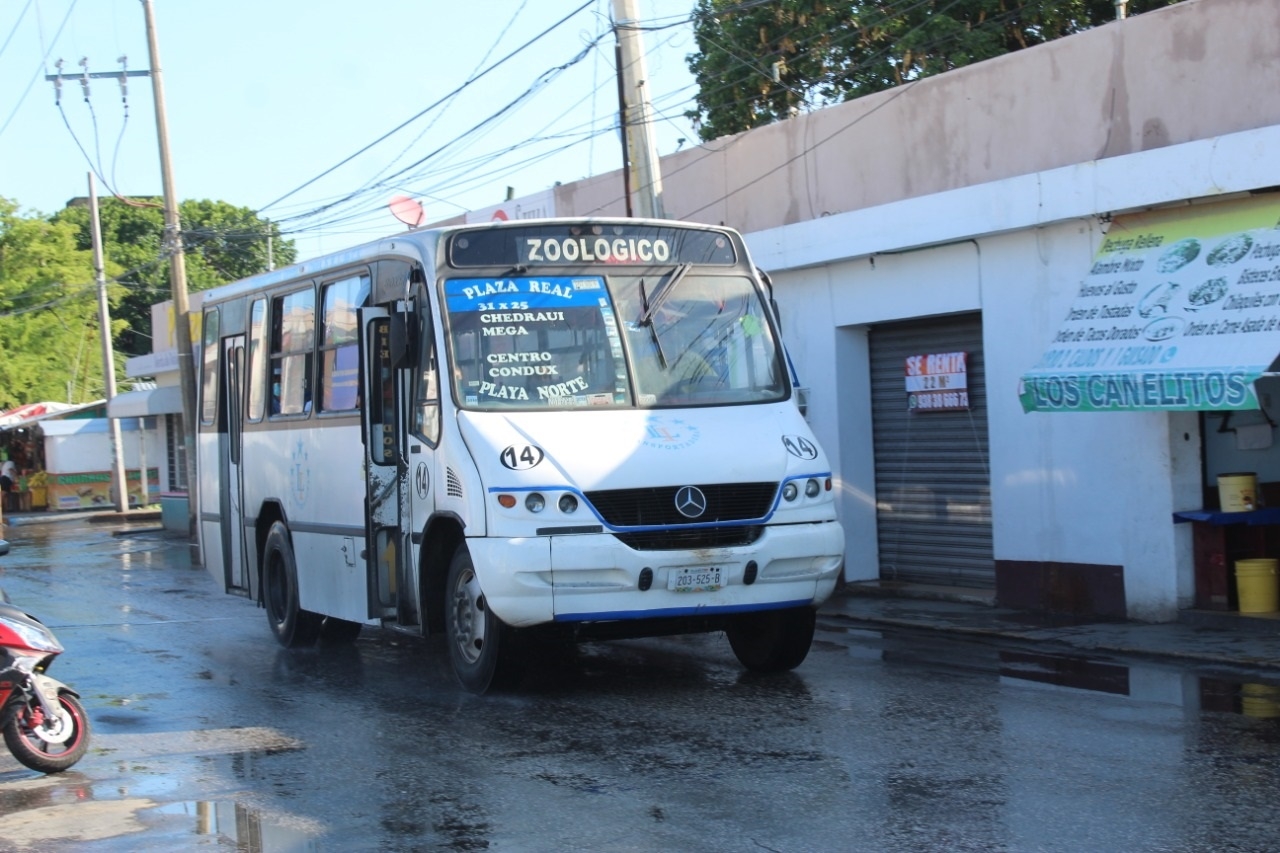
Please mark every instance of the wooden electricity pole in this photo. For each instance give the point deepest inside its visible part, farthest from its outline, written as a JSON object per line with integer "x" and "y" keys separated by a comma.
{"x": 118, "y": 478}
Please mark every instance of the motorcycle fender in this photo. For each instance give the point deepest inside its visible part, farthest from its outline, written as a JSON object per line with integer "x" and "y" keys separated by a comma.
{"x": 51, "y": 688}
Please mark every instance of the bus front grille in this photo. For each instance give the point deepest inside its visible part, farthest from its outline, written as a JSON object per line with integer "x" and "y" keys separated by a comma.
{"x": 652, "y": 507}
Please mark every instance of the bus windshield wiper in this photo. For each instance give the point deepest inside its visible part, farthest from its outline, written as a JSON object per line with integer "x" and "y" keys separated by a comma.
{"x": 647, "y": 320}
{"x": 662, "y": 292}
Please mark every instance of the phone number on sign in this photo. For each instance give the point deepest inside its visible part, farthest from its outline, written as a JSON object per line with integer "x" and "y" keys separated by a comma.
{"x": 945, "y": 400}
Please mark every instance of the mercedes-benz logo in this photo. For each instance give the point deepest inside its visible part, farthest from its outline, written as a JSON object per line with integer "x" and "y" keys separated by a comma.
{"x": 691, "y": 502}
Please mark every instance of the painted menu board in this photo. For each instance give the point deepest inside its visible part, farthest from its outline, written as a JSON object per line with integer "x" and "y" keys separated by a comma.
{"x": 1179, "y": 311}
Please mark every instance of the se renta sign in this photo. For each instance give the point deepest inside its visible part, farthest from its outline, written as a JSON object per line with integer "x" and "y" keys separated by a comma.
{"x": 938, "y": 382}
{"x": 1180, "y": 311}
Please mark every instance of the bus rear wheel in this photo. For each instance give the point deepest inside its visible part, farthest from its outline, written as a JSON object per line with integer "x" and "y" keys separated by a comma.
{"x": 292, "y": 626}
{"x": 481, "y": 645}
{"x": 772, "y": 640}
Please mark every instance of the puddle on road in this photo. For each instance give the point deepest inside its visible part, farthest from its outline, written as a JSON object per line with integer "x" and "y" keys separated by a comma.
{"x": 52, "y": 818}
{"x": 1166, "y": 684}
{"x": 249, "y": 830}
{"x": 1077, "y": 672}
{"x": 1251, "y": 699}
{"x": 64, "y": 811}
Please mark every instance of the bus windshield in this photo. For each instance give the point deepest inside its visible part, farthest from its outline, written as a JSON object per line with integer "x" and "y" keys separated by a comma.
{"x": 683, "y": 337}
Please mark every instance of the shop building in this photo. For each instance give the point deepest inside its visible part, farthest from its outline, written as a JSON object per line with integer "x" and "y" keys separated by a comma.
{"x": 62, "y": 454}
{"x": 155, "y": 399}
{"x": 936, "y": 252}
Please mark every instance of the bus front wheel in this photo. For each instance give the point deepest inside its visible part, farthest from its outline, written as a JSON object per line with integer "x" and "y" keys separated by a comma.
{"x": 293, "y": 627}
{"x": 772, "y": 640}
{"x": 481, "y": 646}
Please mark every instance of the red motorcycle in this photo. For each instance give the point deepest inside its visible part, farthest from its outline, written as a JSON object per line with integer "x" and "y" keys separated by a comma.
{"x": 44, "y": 724}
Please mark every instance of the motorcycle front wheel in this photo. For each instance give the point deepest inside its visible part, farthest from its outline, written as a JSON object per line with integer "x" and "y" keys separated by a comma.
{"x": 49, "y": 746}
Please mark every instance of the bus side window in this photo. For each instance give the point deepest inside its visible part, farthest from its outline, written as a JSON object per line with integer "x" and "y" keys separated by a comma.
{"x": 293, "y": 326}
{"x": 426, "y": 387}
{"x": 209, "y": 382}
{"x": 257, "y": 356}
{"x": 339, "y": 350}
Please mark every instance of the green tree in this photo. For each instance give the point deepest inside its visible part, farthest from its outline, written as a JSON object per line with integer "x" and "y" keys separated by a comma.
{"x": 50, "y": 345}
{"x": 759, "y": 61}
{"x": 221, "y": 242}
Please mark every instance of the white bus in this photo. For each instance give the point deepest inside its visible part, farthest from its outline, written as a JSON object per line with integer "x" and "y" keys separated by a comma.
{"x": 573, "y": 428}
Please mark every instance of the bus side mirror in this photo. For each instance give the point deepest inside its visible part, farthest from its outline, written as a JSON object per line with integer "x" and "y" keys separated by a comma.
{"x": 402, "y": 339}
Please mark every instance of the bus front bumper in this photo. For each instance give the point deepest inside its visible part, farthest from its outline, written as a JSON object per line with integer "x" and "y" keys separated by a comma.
{"x": 595, "y": 577}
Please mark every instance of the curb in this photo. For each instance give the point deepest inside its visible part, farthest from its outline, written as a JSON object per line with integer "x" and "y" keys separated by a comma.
{"x": 1079, "y": 645}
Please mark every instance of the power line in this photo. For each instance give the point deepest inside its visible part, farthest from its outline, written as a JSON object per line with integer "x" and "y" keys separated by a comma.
{"x": 405, "y": 173}
{"x": 409, "y": 121}
{"x": 40, "y": 67}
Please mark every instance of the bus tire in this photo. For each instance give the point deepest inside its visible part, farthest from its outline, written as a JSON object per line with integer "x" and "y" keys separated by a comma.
{"x": 481, "y": 646}
{"x": 772, "y": 640}
{"x": 292, "y": 626}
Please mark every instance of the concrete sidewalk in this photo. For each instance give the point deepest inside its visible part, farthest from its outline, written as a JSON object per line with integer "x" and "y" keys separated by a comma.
{"x": 93, "y": 516}
{"x": 1222, "y": 639}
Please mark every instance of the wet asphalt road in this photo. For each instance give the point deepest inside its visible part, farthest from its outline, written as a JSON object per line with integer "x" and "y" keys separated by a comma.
{"x": 209, "y": 736}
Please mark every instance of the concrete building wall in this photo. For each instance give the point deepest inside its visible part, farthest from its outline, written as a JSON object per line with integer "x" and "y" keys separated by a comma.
{"x": 1199, "y": 69}
{"x": 1086, "y": 489}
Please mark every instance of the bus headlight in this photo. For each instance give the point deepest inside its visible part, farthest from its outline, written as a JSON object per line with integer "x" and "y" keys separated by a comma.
{"x": 811, "y": 489}
{"x": 568, "y": 504}
{"x": 790, "y": 491}
{"x": 535, "y": 502}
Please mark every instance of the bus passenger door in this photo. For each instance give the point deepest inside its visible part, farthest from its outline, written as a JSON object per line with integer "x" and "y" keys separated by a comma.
{"x": 231, "y": 376}
{"x": 390, "y": 593}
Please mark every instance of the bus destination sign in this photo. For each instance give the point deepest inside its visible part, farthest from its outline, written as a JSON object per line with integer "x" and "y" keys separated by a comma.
{"x": 591, "y": 243}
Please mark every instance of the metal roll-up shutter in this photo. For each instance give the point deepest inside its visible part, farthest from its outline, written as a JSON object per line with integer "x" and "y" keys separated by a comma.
{"x": 933, "y": 480}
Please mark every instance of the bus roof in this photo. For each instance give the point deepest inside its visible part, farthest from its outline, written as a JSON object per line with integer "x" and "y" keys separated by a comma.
{"x": 423, "y": 244}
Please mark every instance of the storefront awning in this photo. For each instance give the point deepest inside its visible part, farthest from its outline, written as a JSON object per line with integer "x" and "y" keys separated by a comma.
{"x": 165, "y": 400}
{"x": 33, "y": 413}
{"x": 1180, "y": 312}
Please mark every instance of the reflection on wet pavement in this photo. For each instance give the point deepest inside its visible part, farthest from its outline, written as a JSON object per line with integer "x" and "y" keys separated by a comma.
{"x": 208, "y": 735}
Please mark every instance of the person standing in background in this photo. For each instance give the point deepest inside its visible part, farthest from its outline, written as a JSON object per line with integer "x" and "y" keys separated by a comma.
{"x": 8, "y": 480}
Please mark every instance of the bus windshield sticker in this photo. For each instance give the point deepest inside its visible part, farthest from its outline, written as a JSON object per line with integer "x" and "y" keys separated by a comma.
{"x": 535, "y": 341}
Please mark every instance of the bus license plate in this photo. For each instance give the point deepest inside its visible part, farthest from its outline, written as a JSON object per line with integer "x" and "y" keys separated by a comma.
{"x": 704, "y": 579}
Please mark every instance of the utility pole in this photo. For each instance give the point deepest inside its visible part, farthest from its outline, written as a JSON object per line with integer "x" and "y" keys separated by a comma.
{"x": 638, "y": 123}
{"x": 178, "y": 284}
{"x": 108, "y": 356}
{"x": 622, "y": 124}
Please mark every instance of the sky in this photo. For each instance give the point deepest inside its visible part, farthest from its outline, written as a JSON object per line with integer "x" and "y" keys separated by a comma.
{"x": 316, "y": 113}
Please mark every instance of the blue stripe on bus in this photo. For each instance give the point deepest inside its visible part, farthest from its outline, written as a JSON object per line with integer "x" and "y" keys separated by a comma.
{"x": 704, "y": 610}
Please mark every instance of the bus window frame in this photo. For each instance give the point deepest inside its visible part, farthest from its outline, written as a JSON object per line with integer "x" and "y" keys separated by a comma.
{"x": 426, "y": 373}
{"x": 277, "y": 355}
{"x": 256, "y": 391}
{"x": 364, "y": 279}
{"x": 209, "y": 384}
